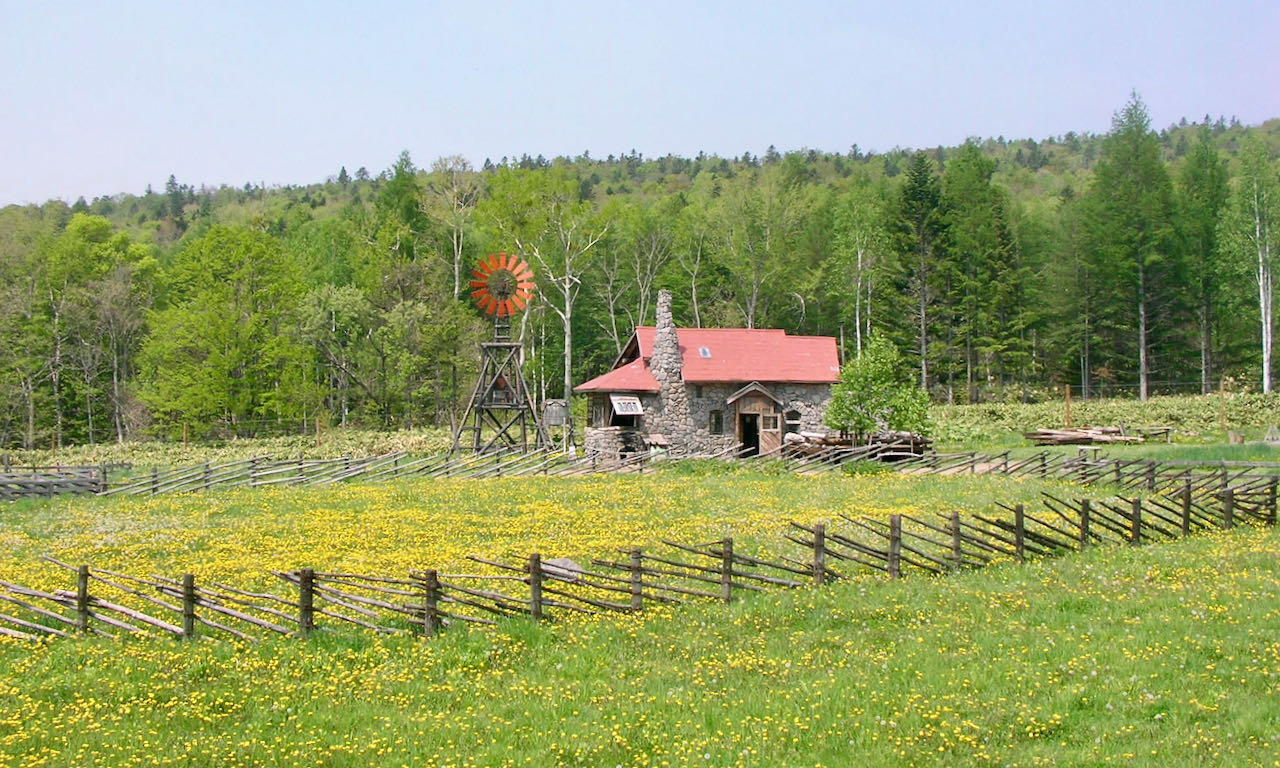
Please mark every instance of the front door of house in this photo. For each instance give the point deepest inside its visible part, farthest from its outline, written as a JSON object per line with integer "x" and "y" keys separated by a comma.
{"x": 749, "y": 433}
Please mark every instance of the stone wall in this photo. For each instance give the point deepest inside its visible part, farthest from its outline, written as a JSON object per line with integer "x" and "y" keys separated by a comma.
{"x": 811, "y": 400}
{"x": 613, "y": 442}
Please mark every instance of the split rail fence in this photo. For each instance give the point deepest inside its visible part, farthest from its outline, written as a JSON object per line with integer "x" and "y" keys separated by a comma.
{"x": 264, "y": 471}
{"x": 427, "y": 601}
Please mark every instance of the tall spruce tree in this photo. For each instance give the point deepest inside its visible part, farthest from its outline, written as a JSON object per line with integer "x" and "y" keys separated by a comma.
{"x": 919, "y": 226}
{"x": 1202, "y": 193}
{"x": 980, "y": 264}
{"x": 1129, "y": 227}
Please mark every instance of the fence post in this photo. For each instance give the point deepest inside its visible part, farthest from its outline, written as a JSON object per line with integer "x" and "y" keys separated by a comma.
{"x": 535, "y": 586}
{"x": 188, "y": 606}
{"x": 431, "y": 603}
{"x": 1222, "y": 484}
{"x": 155, "y": 480}
{"x": 895, "y": 546}
{"x": 82, "y": 598}
{"x": 1186, "y": 509}
{"x": 1135, "y": 523}
{"x": 306, "y": 601}
{"x": 1151, "y": 474}
{"x": 726, "y": 570}
{"x": 1229, "y": 508}
{"x": 1084, "y": 523}
{"x": 1020, "y": 532}
{"x": 637, "y": 580}
{"x": 820, "y": 554}
{"x": 957, "y": 541}
{"x": 1271, "y": 503}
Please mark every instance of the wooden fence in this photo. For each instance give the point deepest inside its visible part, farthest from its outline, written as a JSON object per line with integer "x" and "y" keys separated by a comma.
{"x": 51, "y": 481}
{"x": 263, "y": 471}
{"x": 427, "y": 601}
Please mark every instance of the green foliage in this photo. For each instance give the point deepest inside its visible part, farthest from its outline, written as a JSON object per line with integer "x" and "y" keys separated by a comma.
{"x": 224, "y": 357}
{"x": 999, "y": 268}
{"x": 1128, "y": 226}
{"x": 874, "y": 395}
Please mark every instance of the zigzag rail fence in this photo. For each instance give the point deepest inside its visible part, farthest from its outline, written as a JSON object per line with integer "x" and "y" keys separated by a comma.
{"x": 428, "y": 601}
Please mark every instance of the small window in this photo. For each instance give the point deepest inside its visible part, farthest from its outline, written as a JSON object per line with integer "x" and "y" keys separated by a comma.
{"x": 792, "y": 418}
{"x": 697, "y": 390}
{"x": 716, "y": 423}
{"x": 770, "y": 422}
{"x": 704, "y": 352}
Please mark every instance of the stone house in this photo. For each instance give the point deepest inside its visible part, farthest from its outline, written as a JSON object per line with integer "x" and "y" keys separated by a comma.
{"x": 703, "y": 390}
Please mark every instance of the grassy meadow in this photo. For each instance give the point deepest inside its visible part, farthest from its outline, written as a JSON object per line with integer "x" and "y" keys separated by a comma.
{"x": 1152, "y": 656}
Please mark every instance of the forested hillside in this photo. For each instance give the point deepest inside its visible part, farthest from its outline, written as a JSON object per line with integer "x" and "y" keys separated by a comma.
{"x": 1131, "y": 263}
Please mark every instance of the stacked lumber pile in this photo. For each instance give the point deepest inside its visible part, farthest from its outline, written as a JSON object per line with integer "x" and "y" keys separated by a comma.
{"x": 1082, "y": 436}
{"x": 903, "y": 443}
{"x": 812, "y": 443}
{"x": 886, "y": 446}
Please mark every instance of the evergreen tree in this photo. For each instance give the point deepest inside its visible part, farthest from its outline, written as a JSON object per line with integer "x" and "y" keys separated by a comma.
{"x": 983, "y": 273}
{"x": 1202, "y": 193}
{"x": 1130, "y": 233}
{"x": 919, "y": 227}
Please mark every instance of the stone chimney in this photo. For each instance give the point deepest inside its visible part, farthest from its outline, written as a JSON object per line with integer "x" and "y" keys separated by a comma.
{"x": 666, "y": 361}
{"x": 671, "y": 418}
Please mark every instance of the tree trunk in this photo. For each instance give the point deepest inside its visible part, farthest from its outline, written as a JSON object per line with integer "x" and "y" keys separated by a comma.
{"x": 1206, "y": 350}
{"x": 1263, "y": 239}
{"x": 857, "y": 307}
{"x": 1143, "y": 363}
{"x": 924, "y": 325}
{"x": 117, "y": 408}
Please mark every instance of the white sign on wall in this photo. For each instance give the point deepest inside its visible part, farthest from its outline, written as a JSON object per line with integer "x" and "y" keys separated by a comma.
{"x": 626, "y": 405}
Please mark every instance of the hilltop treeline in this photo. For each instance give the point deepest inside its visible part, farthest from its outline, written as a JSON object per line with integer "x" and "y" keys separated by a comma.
{"x": 1134, "y": 262}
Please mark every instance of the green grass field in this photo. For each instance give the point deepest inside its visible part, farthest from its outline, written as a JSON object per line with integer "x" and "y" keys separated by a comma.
{"x": 1165, "y": 655}
{"x": 1153, "y": 656}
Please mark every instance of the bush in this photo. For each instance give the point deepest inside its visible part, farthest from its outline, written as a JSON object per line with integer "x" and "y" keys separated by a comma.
{"x": 873, "y": 395}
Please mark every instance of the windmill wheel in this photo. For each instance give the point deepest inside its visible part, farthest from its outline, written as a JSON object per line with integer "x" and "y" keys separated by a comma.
{"x": 502, "y": 284}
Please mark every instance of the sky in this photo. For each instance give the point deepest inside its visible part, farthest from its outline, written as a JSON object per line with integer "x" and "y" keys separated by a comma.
{"x": 103, "y": 98}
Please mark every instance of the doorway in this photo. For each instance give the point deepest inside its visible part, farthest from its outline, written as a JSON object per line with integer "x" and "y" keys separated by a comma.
{"x": 749, "y": 433}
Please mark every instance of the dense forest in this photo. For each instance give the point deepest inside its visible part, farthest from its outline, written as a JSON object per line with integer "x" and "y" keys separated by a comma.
{"x": 1136, "y": 262}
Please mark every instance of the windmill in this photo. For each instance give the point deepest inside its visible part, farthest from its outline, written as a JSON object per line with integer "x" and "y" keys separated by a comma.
{"x": 500, "y": 415}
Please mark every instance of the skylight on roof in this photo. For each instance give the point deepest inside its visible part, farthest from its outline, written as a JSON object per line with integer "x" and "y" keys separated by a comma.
{"x": 704, "y": 352}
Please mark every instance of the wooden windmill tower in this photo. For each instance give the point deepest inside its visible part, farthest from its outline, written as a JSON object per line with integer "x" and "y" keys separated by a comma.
{"x": 500, "y": 415}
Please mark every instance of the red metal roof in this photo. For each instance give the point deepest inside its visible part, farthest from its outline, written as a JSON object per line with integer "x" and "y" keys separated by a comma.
{"x": 729, "y": 355}
{"x": 632, "y": 377}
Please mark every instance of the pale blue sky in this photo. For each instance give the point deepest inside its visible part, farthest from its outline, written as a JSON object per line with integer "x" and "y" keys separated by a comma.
{"x": 99, "y": 98}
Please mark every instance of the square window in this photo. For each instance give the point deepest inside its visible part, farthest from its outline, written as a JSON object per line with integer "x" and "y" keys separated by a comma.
{"x": 770, "y": 423}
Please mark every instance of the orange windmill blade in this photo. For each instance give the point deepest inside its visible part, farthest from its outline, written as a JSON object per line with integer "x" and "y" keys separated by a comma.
{"x": 502, "y": 284}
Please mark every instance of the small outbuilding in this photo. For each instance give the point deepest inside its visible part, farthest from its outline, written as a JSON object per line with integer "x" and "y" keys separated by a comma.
{"x": 703, "y": 390}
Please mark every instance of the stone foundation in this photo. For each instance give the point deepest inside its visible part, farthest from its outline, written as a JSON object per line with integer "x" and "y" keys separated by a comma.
{"x": 613, "y": 442}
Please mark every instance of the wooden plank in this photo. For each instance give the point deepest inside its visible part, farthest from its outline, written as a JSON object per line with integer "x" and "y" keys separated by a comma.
{"x": 33, "y": 626}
